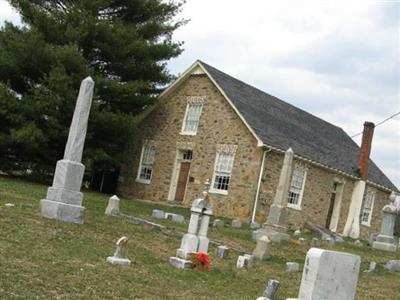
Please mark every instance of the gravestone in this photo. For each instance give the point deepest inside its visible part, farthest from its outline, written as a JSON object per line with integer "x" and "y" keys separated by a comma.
{"x": 174, "y": 217}
{"x": 244, "y": 262}
{"x": 262, "y": 251}
{"x": 158, "y": 214}
{"x": 372, "y": 266}
{"x": 329, "y": 275}
{"x": 297, "y": 232}
{"x": 223, "y": 251}
{"x": 276, "y": 225}
{"x": 292, "y": 267}
{"x": 113, "y": 206}
{"x": 236, "y": 224}
{"x": 393, "y": 265}
{"x": 217, "y": 223}
{"x": 270, "y": 290}
{"x": 193, "y": 241}
{"x": 120, "y": 254}
{"x": 385, "y": 239}
{"x": 64, "y": 199}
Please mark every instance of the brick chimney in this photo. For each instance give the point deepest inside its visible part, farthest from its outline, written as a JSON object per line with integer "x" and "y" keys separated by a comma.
{"x": 365, "y": 149}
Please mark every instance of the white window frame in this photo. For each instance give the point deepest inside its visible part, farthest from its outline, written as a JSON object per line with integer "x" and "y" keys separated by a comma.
{"x": 367, "y": 211}
{"x": 190, "y": 104}
{"x": 219, "y": 173}
{"x": 141, "y": 165}
{"x": 292, "y": 188}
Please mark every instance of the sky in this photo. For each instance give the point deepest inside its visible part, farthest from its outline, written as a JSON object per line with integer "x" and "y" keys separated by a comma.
{"x": 339, "y": 60}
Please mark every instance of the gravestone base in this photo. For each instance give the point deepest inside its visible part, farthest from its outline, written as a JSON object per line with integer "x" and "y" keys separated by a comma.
{"x": 118, "y": 261}
{"x": 384, "y": 246}
{"x": 62, "y": 211}
{"x": 180, "y": 263}
{"x": 275, "y": 233}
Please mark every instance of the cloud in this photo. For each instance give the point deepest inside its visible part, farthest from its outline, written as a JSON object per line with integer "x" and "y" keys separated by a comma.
{"x": 338, "y": 60}
{"x": 8, "y": 13}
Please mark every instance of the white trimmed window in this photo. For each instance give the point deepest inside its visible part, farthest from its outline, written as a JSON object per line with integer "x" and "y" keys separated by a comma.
{"x": 146, "y": 164}
{"x": 222, "y": 172}
{"x": 192, "y": 118}
{"x": 366, "y": 215}
{"x": 297, "y": 187}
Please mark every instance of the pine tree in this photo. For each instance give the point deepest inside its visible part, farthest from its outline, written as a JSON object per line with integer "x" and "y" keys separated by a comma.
{"x": 123, "y": 44}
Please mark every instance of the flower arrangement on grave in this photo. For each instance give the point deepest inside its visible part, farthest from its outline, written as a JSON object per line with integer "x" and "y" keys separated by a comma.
{"x": 201, "y": 261}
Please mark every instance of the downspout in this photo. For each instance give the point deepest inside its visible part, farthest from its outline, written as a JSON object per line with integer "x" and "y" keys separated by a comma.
{"x": 253, "y": 215}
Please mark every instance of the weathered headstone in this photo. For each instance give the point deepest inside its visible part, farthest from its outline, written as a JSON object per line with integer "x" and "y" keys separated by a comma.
{"x": 329, "y": 275}
{"x": 158, "y": 214}
{"x": 174, "y": 217}
{"x": 113, "y": 206}
{"x": 271, "y": 289}
{"x": 262, "y": 251}
{"x": 292, "y": 267}
{"x": 329, "y": 241}
{"x": 358, "y": 243}
{"x": 244, "y": 262}
{"x": 193, "y": 241}
{"x": 217, "y": 223}
{"x": 315, "y": 242}
{"x": 297, "y": 232}
{"x": 276, "y": 225}
{"x": 223, "y": 251}
{"x": 64, "y": 199}
{"x": 385, "y": 239}
{"x": 372, "y": 266}
{"x": 236, "y": 224}
{"x": 120, "y": 254}
{"x": 9, "y": 205}
{"x": 393, "y": 265}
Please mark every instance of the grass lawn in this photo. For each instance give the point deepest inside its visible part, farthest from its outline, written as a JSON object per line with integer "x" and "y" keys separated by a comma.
{"x": 46, "y": 259}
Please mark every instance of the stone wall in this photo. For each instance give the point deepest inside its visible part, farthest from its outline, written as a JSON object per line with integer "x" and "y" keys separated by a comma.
{"x": 316, "y": 198}
{"x": 219, "y": 124}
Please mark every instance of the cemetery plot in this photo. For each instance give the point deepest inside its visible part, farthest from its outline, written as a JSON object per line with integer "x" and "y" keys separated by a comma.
{"x": 47, "y": 259}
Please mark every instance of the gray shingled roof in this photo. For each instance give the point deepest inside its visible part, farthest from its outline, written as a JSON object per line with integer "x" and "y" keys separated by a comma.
{"x": 281, "y": 125}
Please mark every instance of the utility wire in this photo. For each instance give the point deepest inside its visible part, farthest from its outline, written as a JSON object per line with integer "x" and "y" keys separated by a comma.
{"x": 380, "y": 123}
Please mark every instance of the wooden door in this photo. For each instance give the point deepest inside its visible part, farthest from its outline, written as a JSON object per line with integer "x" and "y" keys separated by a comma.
{"x": 330, "y": 210}
{"x": 182, "y": 180}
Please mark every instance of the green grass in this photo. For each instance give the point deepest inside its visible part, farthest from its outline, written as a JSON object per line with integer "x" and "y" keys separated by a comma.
{"x": 45, "y": 259}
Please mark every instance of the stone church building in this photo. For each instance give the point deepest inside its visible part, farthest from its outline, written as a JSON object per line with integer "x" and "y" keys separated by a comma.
{"x": 209, "y": 125}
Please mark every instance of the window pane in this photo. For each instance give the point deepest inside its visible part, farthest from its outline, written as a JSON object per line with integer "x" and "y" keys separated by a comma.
{"x": 192, "y": 117}
{"x": 223, "y": 168}
{"x": 146, "y": 167}
{"x": 296, "y": 186}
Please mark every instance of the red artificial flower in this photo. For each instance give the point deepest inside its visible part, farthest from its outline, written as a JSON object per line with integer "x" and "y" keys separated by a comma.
{"x": 201, "y": 261}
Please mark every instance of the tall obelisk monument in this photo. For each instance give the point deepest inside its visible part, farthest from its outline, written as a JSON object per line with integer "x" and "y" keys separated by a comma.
{"x": 64, "y": 199}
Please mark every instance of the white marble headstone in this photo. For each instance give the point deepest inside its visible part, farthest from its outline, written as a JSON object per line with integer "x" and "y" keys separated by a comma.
{"x": 329, "y": 275}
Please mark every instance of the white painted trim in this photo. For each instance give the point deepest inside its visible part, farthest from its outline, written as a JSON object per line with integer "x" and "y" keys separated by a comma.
{"x": 174, "y": 177}
{"x": 175, "y": 174}
{"x": 368, "y": 223}
{"x": 337, "y": 206}
{"x": 303, "y": 185}
{"x": 260, "y": 175}
{"x": 216, "y": 191}
{"x": 138, "y": 179}
{"x": 183, "y": 132}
